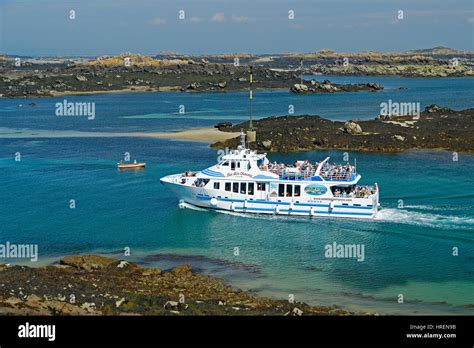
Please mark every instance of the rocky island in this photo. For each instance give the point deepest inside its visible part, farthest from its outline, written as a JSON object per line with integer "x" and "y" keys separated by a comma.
{"x": 98, "y": 285}
{"x": 129, "y": 73}
{"x": 435, "y": 128}
{"x": 45, "y": 77}
{"x": 432, "y": 62}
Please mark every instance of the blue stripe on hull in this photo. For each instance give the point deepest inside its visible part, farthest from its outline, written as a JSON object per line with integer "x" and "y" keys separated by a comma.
{"x": 303, "y": 211}
{"x": 207, "y": 197}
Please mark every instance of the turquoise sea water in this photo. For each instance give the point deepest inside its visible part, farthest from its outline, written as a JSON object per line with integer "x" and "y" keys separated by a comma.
{"x": 408, "y": 249}
{"x": 160, "y": 111}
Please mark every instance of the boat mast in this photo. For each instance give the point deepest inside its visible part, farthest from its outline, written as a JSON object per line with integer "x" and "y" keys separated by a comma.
{"x": 251, "y": 133}
{"x": 250, "y": 98}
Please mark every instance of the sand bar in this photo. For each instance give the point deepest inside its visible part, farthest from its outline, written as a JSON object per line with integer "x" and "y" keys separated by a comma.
{"x": 208, "y": 135}
{"x": 200, "y": 134}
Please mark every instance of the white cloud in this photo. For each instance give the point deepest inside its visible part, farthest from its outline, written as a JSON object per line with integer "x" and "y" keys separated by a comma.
{"x": 470, "y": 20}
{"x": 157, "y": 21}
{"x": 218, "y": 17}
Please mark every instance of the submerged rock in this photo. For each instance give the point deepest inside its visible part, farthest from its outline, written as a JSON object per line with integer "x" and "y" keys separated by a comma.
{"x": 182, "y": 270}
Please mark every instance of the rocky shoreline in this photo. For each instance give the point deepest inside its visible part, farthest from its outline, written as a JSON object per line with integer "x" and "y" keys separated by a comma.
{"x": 98, "y": 285}
{"x": 46, "y": 77}
{"x": 435, "y": 128}
{"x": 178, "y": 76}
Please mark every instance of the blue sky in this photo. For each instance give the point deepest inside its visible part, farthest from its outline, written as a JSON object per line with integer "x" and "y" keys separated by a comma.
{"x": 43, "y": 27}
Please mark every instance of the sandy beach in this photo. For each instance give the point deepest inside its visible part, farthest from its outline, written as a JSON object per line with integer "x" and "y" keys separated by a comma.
{"x": 208, "y": 135}
{"x": 200, "y": 134}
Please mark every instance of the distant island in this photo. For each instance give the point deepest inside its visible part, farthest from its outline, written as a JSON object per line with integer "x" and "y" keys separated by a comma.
{"x": 56, "y": 76}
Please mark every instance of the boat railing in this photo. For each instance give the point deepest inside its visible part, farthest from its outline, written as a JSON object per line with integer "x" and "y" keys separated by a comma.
{"x": 348, "y": 176}
{"x": 293, "y": 173}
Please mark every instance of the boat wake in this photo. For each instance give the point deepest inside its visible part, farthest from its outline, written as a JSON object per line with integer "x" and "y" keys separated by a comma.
{"x": 431, "y": 207}
{"x": 402, "y": 216}
{"x": 426, "y": 219}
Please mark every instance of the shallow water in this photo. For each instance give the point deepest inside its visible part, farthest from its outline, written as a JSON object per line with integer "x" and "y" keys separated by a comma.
{"x": 141, "y": 112}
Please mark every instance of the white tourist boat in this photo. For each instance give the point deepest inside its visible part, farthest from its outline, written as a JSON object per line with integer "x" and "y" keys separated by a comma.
{"x": 247, "y": 182}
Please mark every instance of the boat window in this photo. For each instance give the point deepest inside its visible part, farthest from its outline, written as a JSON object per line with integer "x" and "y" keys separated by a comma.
{"x": 217, "y": 185}
{"x": 227, "y": 186}
{"x": 201, "y": 182}
{"x": 250, "y": 188}
{"x": 260, "y": 186}
{"x": 226, "y": 163}
{"x": 235, "y": 187}
{"x": 243, "y": 188}
{"x": 238, "y": 164}
{"x": 232, "y": 165}
{"x": 342, "y": 191}
{"x": 281, "y": 190}
{"x": 289, "y": 190}
{"x": 297, "y": 190}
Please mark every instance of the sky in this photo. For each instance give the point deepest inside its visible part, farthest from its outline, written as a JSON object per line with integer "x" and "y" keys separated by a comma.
{"x": 105, "y": 27}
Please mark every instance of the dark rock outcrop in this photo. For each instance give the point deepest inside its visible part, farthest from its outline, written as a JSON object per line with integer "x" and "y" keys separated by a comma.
{"x": 327, "y": 86}
{"x": 98, "y": 285}
{"x": 435, "y": 128}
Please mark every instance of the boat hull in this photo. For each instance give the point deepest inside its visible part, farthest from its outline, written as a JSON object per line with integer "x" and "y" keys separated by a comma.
{"x": 130, "y": 166}
{"x": 212, "y": 199}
